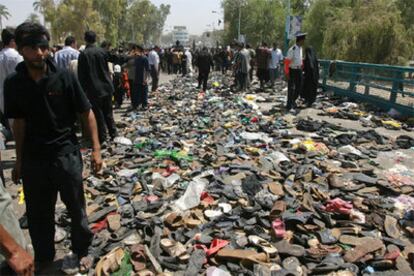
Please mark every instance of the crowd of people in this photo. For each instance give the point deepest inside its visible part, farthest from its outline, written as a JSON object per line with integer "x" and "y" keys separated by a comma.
{"x": 49, "y": 91}
{"x": 300, "y": 67}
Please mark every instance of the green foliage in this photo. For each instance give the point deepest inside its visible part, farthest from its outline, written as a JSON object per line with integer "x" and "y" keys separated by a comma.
{"x": 140, "y": 20}
{"x": 145, "y": 22}
{"x": 362, "y": 31}
{"x": 74, "y": 17}
{"x": 260, "y": 20}
{"x": 374, "y": 31}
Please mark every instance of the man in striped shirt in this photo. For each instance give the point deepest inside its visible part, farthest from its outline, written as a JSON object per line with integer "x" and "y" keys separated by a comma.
{"x": 67, "y": 54}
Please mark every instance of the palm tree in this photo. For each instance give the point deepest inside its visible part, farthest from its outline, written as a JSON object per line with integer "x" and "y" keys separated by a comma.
{"x": 33, "y": 17}
{"x": 39, "y": 7}
{"x": 4, "y": 13}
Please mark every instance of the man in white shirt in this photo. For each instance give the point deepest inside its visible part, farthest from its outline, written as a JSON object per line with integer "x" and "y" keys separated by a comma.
{"x": 295, "y": 77}
{"x": 189, "y": 61}
{"x": 154, "y": 62}
{"x": 9, "y": 58}
{"x": 64, "y": 57}
{"x": 276, "y": 57}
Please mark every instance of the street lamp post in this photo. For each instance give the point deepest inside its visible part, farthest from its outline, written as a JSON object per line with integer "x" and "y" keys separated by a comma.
{"x": 286, "y": 27}
{"x": 238, "y": 30}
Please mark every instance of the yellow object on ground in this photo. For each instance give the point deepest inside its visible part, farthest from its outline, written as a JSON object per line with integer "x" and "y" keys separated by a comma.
{"x": 21, "y": 196}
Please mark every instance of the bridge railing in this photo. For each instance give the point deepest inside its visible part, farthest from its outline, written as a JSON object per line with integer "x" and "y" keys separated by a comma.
{"x": 384, "y": 86}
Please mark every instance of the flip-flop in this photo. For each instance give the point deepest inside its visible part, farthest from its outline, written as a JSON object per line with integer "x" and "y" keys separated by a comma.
{"x": 263, "y": 244}
{"x": 138, "y": 257}
{"x": 114, "y": 222}
{"x": 284, "y": 247}
{"x": 194, "y": 219}
{"x": 235, "y": 255}
{"x": 278, "y": 208}
{"x": 276, "y": 189}
{"x": 279, "y": 228}
{"x": 206, "y": 198}
{"x": 363, "y": 249}
{"x": 338, "y": 205}
{"x": 391, "y": 228}
{"x": 110, "y": 262}
{"x": 211, "y": 214}
{"x": 174, "y": 249}
{"x": 173, "y": 220}
{"x": 216, "y": 245}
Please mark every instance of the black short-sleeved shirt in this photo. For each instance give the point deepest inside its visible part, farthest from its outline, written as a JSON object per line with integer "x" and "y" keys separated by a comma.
{"x": 141, "y": 66}
{"x": 93, "y": 72}
{"x": 49, "y": 108}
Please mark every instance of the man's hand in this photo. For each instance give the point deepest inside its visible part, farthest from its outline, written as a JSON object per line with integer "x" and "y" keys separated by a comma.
{"x": 16, "y": 173}
{"x": 21, "y": 262}
{"x": 96, "y": 161}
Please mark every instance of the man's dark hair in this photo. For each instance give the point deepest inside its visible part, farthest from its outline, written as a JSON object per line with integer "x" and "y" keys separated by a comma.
{"x": 90, "y": 37}
{"x": 7, "y": 35}
{"x": 105, "y": 44}
{"x": 248, "y": 46}
{"x": 29, "y": 28}
{"x": 69, "y": 40}
{"x": 264, "y": 44}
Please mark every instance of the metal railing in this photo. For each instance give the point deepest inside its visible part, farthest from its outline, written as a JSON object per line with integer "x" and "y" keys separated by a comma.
{"x": 384, "y": 86}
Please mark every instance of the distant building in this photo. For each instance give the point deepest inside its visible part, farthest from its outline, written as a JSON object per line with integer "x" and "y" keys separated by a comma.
{"x": 180, "y": 33}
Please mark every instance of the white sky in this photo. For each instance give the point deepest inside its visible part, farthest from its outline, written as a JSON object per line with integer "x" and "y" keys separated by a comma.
{"x": 195, "y": 14}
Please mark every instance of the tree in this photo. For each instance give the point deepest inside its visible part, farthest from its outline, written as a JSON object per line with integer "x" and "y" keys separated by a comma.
{"x": 33, "y": 17}
{"x": 346, "y": 29}
{"x": 74, "y": 18}
{"x": 261, "y": 20}
{"x": 145, "y": 22}
{"x": 111, "y": 14}
{"x": 47, "y": 8}
{"x": 4, "y": 14}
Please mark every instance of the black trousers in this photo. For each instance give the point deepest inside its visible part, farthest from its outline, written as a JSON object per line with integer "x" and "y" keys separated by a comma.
{"x": 154, "y": 77}
{"x": 102, "y": 107}
{"x": 177, "y": 68}
{"x": 310, "y": 89}
{"x": 119, "y": 97}
{"x": 202, "y": 79}
{"x": 184, "y": 69}
{"x": 42, "y": 180}
{"x": 294, "y": 87}
{"x": 242, "y": 80}
{"x": 141, "y": 95}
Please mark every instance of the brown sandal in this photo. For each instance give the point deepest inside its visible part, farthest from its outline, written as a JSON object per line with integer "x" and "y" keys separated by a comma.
{"x": 138, "y": 257}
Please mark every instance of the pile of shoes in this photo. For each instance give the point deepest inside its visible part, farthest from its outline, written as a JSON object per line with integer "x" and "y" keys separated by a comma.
{"x": 207, "y": 183}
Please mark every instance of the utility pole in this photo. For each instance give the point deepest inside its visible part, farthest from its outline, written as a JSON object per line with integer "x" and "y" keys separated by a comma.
{"x": 238, "y": 30}
{"x": 287, "y": 27}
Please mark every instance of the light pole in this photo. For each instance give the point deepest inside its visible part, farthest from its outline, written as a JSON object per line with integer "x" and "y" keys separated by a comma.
{"x": 287, "y": 27}
{"x": 238, "y": 30}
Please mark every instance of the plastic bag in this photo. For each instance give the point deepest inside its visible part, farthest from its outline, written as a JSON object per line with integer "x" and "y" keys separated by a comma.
{"x": 191, "y": 197}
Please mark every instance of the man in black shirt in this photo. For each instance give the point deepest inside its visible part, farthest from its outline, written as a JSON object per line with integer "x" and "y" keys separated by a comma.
{"x": 204, "y": 64}
{"x": 142, "y": 71}
{"x": 94, "y": 76}
{"x": 44, "y": 101}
